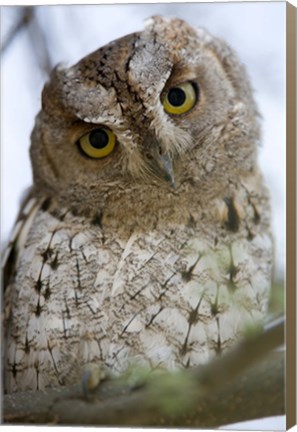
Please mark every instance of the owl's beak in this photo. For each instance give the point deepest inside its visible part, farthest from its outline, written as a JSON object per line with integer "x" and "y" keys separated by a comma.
{"x": 166, "y": 169}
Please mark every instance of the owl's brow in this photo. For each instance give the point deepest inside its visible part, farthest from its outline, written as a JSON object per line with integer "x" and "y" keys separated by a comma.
{"x": 128, "y": 61}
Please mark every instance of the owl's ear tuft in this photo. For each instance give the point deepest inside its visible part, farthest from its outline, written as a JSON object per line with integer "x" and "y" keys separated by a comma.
{"x": 158, "y": 22}
{"x": 53, "y": 93}
{"x": 170, "y": 29}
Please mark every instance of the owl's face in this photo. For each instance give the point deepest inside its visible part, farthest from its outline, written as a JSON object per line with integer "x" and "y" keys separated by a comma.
{"x": 163, "y": 108}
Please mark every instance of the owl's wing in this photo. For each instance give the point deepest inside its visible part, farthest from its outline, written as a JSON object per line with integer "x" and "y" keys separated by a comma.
{"x": 11, "y": 253}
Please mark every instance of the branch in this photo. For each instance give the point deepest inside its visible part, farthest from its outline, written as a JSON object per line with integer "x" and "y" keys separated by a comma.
{"x": 24, "y": 19}
{"x": 244, "y": 384}
{"x": 28, "y": 19}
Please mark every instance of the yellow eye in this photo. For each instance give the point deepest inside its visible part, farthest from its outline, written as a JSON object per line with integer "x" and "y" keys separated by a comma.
{"x": 180, "y": 99}
{"x": 98, "y": 143}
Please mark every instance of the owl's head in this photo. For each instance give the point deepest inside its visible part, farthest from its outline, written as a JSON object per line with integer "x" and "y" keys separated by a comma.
{"x": 164, "y": 108}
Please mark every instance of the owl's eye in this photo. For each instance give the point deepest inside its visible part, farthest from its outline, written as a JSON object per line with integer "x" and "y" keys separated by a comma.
{"x": 98, "y": 143}
{"x": 180, "y": 99}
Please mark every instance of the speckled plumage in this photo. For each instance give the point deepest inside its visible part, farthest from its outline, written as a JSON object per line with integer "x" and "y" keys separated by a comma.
{"x": 109, "y": 263}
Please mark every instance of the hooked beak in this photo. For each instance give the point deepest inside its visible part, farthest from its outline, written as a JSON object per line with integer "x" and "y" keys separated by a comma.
{"x": 165, "y": 169}
{"x": 159, "y": 160}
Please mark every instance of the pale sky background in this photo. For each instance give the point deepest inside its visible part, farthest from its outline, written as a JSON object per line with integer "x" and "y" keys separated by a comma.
{"x": 256, "y": 30}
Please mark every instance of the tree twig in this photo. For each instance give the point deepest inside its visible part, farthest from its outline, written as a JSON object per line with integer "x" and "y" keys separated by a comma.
{"x": 25, "y": 16}
{"x": 29, "y": 20}
{"x": 245, "y": 383}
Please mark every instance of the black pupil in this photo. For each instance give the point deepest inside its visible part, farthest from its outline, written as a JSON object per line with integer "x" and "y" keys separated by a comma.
{"x": 176, "y": 96}
{"x": 98, "y": 139}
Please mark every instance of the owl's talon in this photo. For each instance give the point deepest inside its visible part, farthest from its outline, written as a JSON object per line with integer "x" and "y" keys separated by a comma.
{"x": 92, "y": 375}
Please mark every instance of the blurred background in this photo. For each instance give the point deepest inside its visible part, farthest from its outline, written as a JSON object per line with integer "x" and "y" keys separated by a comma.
{"x": 35, "y": 39}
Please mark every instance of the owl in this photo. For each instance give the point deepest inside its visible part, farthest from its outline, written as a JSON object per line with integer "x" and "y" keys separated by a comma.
{"x": 145, "y": 238}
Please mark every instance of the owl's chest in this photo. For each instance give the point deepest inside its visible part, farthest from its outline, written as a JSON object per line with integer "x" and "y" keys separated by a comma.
{"x": 170, "y": 297}
{"x": 103, "y": 282}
